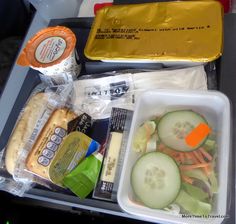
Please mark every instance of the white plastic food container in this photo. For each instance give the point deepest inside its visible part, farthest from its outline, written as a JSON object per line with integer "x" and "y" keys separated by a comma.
{"x": 215, "y": 107}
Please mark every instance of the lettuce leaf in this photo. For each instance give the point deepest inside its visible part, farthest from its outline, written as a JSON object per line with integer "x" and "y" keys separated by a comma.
{"x": 196, "y": 173}
{"x": 213, "y": 182}
{"x": 195, "y": 192}
{"x": 142, "y": 136}
{"x": 192, "y": 205}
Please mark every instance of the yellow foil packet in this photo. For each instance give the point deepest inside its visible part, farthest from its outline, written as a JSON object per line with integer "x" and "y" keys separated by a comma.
{"x": 164, "y": 31}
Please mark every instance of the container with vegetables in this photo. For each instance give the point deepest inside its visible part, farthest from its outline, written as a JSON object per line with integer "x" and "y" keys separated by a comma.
{"x": 177, "y": 159}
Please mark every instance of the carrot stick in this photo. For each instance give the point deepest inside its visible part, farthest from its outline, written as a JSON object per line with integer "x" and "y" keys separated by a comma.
{"x": 198, "y": 154}
{"x": 187, "y": 179}
{"x": 205, "y": 154}
{"x": 177, "y": 159}
{"x": 169, "y": 152}
{"x": 188, "y": 156}
{"x": 194, "y": 166}
{"x": 181, "y": 155}
{"x": 199, "y": 157}
{"x": 206, "y": 171}
{"x": 193, "y": 158}
{"x": 173, "y": 154}
{"x": 163, "y": 150}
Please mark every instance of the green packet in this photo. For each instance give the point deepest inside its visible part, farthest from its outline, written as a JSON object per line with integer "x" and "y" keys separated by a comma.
{"x": 74, "y": 148}
{"x": 82, "y": 180}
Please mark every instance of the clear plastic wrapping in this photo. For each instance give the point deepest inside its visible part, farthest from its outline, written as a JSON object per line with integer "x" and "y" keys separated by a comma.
{"x": 96, "y": 95}
{"x": 58, "y": 99}
{"x": 55, "y": 97}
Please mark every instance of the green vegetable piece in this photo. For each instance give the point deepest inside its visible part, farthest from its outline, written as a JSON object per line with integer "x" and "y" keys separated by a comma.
{"x": 195, "y": 192}
{"x": 152, "y": 143}
{"x": 196, "y": 173}
{"x": 143, "y": 135}
{"x": 210, "y": 145}
{"x": 192, "y": 205}
{"x": 213, "y": 181}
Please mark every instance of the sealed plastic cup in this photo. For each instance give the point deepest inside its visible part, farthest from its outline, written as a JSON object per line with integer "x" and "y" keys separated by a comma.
{"x": 52, "y": 52}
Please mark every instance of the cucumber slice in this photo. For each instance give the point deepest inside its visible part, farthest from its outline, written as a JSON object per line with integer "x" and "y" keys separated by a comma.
{"x": 174, "y": 126}
{"x": 156, "y": 180}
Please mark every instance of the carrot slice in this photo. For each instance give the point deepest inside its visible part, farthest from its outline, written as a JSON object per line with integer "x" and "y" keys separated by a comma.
{"x": 197, "y": 135}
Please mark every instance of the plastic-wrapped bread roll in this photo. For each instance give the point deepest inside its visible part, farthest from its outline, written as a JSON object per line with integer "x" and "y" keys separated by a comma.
{"x": 52, "y": 52}
{"x": 24, "y": 127}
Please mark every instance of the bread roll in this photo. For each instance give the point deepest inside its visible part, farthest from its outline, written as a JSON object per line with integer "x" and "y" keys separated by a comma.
{"x": 24, "y": 127}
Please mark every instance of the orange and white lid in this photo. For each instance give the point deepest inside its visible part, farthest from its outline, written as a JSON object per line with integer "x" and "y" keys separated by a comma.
{"x": 48, "y": 47}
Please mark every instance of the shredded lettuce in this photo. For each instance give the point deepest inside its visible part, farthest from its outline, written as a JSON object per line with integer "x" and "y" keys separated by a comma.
{"x": 207, "y": 184}
{"x": 192, "y": 205}
{"x": 196, "y": 173}
{"x": 195, "y": 192}
{"x": 195, "y": 198}
{"x": 213, "y": 182}
{"x": 210, "y": 145}
{"x": 152, "y": 143}
{"x": 142, "y": 136}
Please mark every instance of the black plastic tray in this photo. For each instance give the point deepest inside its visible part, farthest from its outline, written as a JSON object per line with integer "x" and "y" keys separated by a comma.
{"x": 223, "y": 79}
